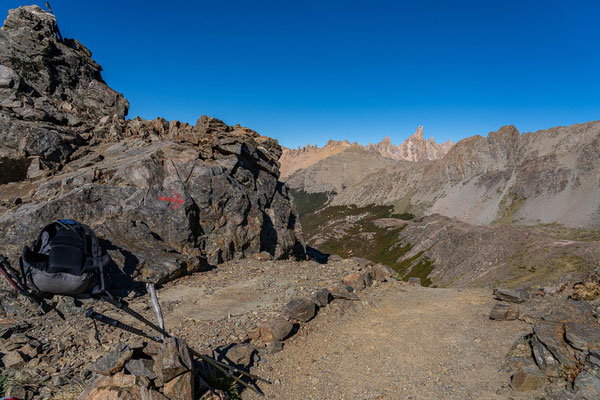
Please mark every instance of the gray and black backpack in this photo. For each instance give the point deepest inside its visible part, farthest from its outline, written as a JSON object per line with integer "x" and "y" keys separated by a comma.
{"x": 65, "y": 259}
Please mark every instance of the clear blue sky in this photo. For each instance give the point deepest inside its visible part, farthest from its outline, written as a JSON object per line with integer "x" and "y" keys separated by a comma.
{"x": 308, "y": 71}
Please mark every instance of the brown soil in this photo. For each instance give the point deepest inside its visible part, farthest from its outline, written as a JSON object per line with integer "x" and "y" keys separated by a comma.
{"x": 400, "y": 342}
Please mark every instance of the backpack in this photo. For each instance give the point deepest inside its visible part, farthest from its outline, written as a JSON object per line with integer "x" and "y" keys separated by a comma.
{"x": 65, "y": 259}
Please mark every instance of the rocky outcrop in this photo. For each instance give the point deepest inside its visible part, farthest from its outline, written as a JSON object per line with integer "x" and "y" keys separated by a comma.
{"x": 561, "y": 352}
{"x": 164, "y": 197}
{"x": 51, "y": 93}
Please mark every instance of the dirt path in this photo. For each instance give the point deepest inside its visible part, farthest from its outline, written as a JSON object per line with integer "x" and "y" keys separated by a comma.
{"x": 399, "y": 343}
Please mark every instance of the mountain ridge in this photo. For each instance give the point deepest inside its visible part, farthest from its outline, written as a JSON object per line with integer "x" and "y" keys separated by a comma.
{"x": 414, "y": 148}
{"x": 538, "y": 177}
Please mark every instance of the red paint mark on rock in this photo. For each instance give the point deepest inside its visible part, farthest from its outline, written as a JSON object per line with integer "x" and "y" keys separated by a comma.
{"x": 177, "y": 200}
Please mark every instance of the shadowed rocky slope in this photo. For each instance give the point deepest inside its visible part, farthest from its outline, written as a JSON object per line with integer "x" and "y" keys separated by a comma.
{"x": 164, "y": 197}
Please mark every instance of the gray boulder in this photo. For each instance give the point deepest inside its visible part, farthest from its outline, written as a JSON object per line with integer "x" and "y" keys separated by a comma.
{"x": 511, "y": 295}
{"x": 113, "y": 361}
{"x": 300, "y": 309}
{"x": 274, "y": 330}
{"x": 504, "y": 312}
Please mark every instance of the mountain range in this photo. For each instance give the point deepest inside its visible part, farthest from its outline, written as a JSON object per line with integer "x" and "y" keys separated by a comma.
{"x": 415, "y": 148}
{"x": 509, "y": 208}
{"x": 543, "y": 177}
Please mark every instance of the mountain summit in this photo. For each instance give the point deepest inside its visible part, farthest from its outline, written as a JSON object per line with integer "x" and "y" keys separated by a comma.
{"x": 415, "y": 148}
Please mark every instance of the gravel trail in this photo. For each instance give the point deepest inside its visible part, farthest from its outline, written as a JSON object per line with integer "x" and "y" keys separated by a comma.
{"x": 399, "y": 342}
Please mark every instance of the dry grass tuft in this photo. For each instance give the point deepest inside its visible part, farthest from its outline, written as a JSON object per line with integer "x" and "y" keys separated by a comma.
{"x": 586, "y": 291}
{"x": 71, "y": 393}
{"x": 571, "y": 372}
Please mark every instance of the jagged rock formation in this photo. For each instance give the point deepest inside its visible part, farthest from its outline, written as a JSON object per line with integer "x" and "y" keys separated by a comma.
{"x": 538, "y": 177}
{"x": 52, "y": 93}
{"x": 415, "y": 148}
{"x": 164, "y": 197}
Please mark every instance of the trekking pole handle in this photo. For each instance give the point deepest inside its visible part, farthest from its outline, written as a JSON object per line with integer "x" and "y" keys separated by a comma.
{"x": 10, "y": 280}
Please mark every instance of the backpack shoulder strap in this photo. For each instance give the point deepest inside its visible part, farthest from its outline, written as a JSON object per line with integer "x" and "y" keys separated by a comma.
{"x": 97, "y": 260}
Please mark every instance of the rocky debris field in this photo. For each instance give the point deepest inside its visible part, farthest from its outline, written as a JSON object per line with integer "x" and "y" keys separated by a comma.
{"x": 400, "y": 342}
{"x": 561, "y": 352}
{"x": 241, "y": 312}
{"x": 347, "y": 330}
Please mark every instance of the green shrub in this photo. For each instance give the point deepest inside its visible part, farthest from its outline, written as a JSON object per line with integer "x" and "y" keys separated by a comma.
{"x": 404, "y": 216}
{"x": 384, "y": 247}
{"x": 307, "y": 203}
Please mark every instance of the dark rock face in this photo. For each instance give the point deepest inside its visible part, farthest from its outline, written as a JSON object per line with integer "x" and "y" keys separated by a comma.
{"x": 164, "y": 197}
{"x": 51, "y": 92}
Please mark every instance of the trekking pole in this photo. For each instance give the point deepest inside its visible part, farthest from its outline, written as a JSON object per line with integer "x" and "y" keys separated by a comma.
{"x": 10, "y": 271}
{"x": 155, "y": 305}
{"x": 10, "y": 275}
{"x": 128, "y": 328}
{"x": 123, "y": 306}
{"x": 10, "y": 280}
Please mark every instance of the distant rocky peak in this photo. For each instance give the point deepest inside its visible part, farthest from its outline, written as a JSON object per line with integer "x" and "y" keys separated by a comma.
{"x": 419, "y": 132}
{"x": 415, "y": 148}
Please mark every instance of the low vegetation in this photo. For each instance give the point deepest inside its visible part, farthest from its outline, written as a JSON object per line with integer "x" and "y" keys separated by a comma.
{"x": 3, "y": 384}
{"x": 509, "y": 205}
{"x": 587, "y": 291}
{"x": 558, "y": 231}
{"x": 351, "y": 231}
{"x": 307, "y": 203}
{"x": 527, "y": 269}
